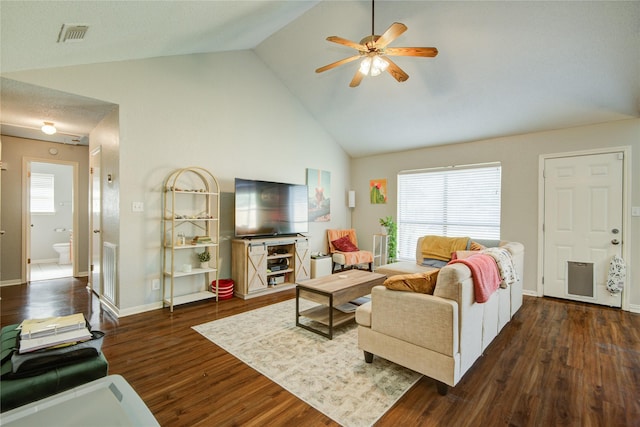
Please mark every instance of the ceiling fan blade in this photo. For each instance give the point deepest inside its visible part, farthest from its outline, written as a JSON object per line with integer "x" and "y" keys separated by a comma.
{"x": 390, "y": 35}
{"x": 355, "y": 81}
{"x": 396, "y": 71}
{"x": 346, "y": 42}
{"x": 337, "y": 63}
{"x": 411, "y": 51}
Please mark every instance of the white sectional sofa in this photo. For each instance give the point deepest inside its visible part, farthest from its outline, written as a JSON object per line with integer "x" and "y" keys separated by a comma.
{"x": 439, "y": 335}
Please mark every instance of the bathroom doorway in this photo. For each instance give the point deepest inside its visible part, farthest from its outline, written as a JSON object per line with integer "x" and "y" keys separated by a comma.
{"x": 52, "y": 217}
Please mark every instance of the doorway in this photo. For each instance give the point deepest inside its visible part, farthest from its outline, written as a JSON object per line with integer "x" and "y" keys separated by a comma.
{"x": 582, "y": 198}
{"x": 51, "y": 189}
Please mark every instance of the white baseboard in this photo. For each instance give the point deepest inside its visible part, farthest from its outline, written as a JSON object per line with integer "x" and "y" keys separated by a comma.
{"x": 141, "y": 309}
{"x": 130, "y": 311}
{"x": 10, "y": 282}
{"x": 634, "y": 308}
{"x": 45, "y": 261}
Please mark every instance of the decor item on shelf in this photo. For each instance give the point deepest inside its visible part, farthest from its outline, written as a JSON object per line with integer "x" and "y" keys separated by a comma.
{"x": 392, "y": 231}
{"x": 204, "y": 258}
{"x": 374, "y": 53}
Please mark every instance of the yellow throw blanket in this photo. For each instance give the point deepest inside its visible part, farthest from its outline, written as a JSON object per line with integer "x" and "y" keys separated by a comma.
{"x": 439, "y": 247}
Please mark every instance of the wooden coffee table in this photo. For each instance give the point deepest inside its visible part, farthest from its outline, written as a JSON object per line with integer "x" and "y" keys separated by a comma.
{"x": 332, "y": 291}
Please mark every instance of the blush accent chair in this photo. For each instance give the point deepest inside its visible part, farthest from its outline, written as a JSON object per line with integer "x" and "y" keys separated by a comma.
{"x": 345, "y": 254}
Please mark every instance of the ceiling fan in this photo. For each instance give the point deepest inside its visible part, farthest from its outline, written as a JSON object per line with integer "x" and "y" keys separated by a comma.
{"x": 375, "y": 54}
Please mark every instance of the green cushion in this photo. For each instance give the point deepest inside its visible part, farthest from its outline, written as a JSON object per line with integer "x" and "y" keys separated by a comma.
{"x": 20, "y": 391}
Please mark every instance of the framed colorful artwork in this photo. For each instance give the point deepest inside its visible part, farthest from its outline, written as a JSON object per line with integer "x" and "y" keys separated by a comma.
{"x": 319, "y": 188}
{"x": 378, "y": 191}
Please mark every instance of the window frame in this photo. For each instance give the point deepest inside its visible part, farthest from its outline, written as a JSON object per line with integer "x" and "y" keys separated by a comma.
{"x": 45, "y": 204}
{"x": 426, "y": 199}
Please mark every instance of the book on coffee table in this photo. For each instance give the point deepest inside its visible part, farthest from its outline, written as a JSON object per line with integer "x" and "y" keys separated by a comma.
{"x": 347, "y": 307}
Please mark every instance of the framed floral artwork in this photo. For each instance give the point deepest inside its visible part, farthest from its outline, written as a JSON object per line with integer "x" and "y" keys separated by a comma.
{"x": 378, "y": 191}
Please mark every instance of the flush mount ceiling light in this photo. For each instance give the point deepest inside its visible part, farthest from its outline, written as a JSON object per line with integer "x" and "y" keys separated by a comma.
{"x": 374, "y": 51}
{"x": 49, "y": 128}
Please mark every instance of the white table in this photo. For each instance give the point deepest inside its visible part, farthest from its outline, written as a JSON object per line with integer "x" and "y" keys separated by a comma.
{"x": 105, "y": 402}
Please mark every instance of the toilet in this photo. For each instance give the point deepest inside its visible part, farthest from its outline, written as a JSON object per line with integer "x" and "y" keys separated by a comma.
{"x": 64, "y": 250}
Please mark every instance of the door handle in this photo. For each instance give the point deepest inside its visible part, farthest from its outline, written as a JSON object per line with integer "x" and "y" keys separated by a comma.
{"x": 96, "y": 231}
{"x": 615, "y": 241}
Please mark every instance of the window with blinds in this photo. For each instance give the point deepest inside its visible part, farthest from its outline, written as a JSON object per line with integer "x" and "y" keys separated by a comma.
{"x": 457, "y": 201}
{"x": 42, "y": 193}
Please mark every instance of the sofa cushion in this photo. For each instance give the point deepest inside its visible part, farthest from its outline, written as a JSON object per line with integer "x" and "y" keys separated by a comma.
{"x": 423, "y": 283}
{"x": 401, "y": 267}
{"x": 344, "y": 244}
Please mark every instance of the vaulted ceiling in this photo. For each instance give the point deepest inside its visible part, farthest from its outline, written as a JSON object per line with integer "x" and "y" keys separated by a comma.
{"x": 503, "y": 68}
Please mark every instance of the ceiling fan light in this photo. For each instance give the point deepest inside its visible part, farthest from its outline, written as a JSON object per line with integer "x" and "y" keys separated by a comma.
{"x": 378, "y": 66}
{"x": 380, "y": 63}
{"x": 49, "y": 128}
{"x": 365, "y": 66}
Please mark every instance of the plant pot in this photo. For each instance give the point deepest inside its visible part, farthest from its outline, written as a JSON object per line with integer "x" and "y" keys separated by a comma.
{"x": 204, "y": 264}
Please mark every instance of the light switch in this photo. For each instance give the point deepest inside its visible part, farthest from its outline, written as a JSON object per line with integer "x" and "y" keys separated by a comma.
{"x": 137, "y": 207}
{"x": 635, "y": 211}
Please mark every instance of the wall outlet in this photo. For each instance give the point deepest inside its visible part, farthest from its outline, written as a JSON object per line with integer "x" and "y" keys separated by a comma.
{"x": 155, "y": 284}
{"x": 137, "y": 207}
{"x": 635, "y": 211}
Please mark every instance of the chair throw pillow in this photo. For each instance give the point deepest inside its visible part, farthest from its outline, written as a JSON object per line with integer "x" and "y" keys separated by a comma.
{"x": 424, "y": 283}
{"x": 344, "y": 244}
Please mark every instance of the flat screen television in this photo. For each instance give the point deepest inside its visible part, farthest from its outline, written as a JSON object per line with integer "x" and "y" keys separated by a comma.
{"x": 264, "y": 208}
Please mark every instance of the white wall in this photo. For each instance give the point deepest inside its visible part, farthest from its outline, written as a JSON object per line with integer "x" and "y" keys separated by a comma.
{"x": 519, "y": 156}
{"x": 226, "y": 112}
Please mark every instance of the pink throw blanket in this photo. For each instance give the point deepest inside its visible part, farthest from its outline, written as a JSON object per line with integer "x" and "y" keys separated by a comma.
{"x": 486, "y": 277}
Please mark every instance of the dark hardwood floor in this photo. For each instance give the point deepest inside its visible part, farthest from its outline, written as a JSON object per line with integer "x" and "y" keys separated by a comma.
{"x": 555, "y": 363}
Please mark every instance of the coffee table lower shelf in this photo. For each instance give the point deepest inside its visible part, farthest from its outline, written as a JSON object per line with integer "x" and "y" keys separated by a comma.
{"x": 320, "y": 314}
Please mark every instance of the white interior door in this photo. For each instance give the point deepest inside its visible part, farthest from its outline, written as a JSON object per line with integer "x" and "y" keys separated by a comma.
{"x": 582, "y": 226}
{"x": 96, "y": 223}
{"x": 1, "y": 229}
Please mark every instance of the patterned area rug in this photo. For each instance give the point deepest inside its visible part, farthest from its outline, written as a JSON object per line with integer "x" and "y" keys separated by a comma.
{"x": 329, "y": 375}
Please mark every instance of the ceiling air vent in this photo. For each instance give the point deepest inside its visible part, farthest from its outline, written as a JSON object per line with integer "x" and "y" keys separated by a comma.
{"x": 72, "y": 33}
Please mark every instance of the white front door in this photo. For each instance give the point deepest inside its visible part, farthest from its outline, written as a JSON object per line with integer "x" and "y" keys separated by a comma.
{"x": 582, "y": 226}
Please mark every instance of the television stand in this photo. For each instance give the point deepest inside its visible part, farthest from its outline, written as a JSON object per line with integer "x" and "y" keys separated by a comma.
{"x": 261, "y": 266}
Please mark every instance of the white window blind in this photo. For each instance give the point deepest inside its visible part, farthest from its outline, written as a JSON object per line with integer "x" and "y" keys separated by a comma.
{"x": 42, "y": 192}
{"x": 456, "y": 202}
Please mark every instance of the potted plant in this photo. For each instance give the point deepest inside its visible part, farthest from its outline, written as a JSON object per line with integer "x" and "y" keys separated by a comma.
{"x": 392, "y": 232}
{"x": 204, "y": 258}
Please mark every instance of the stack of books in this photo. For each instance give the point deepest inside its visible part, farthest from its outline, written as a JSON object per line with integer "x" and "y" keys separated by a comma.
{"x": 36, "y": 334}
